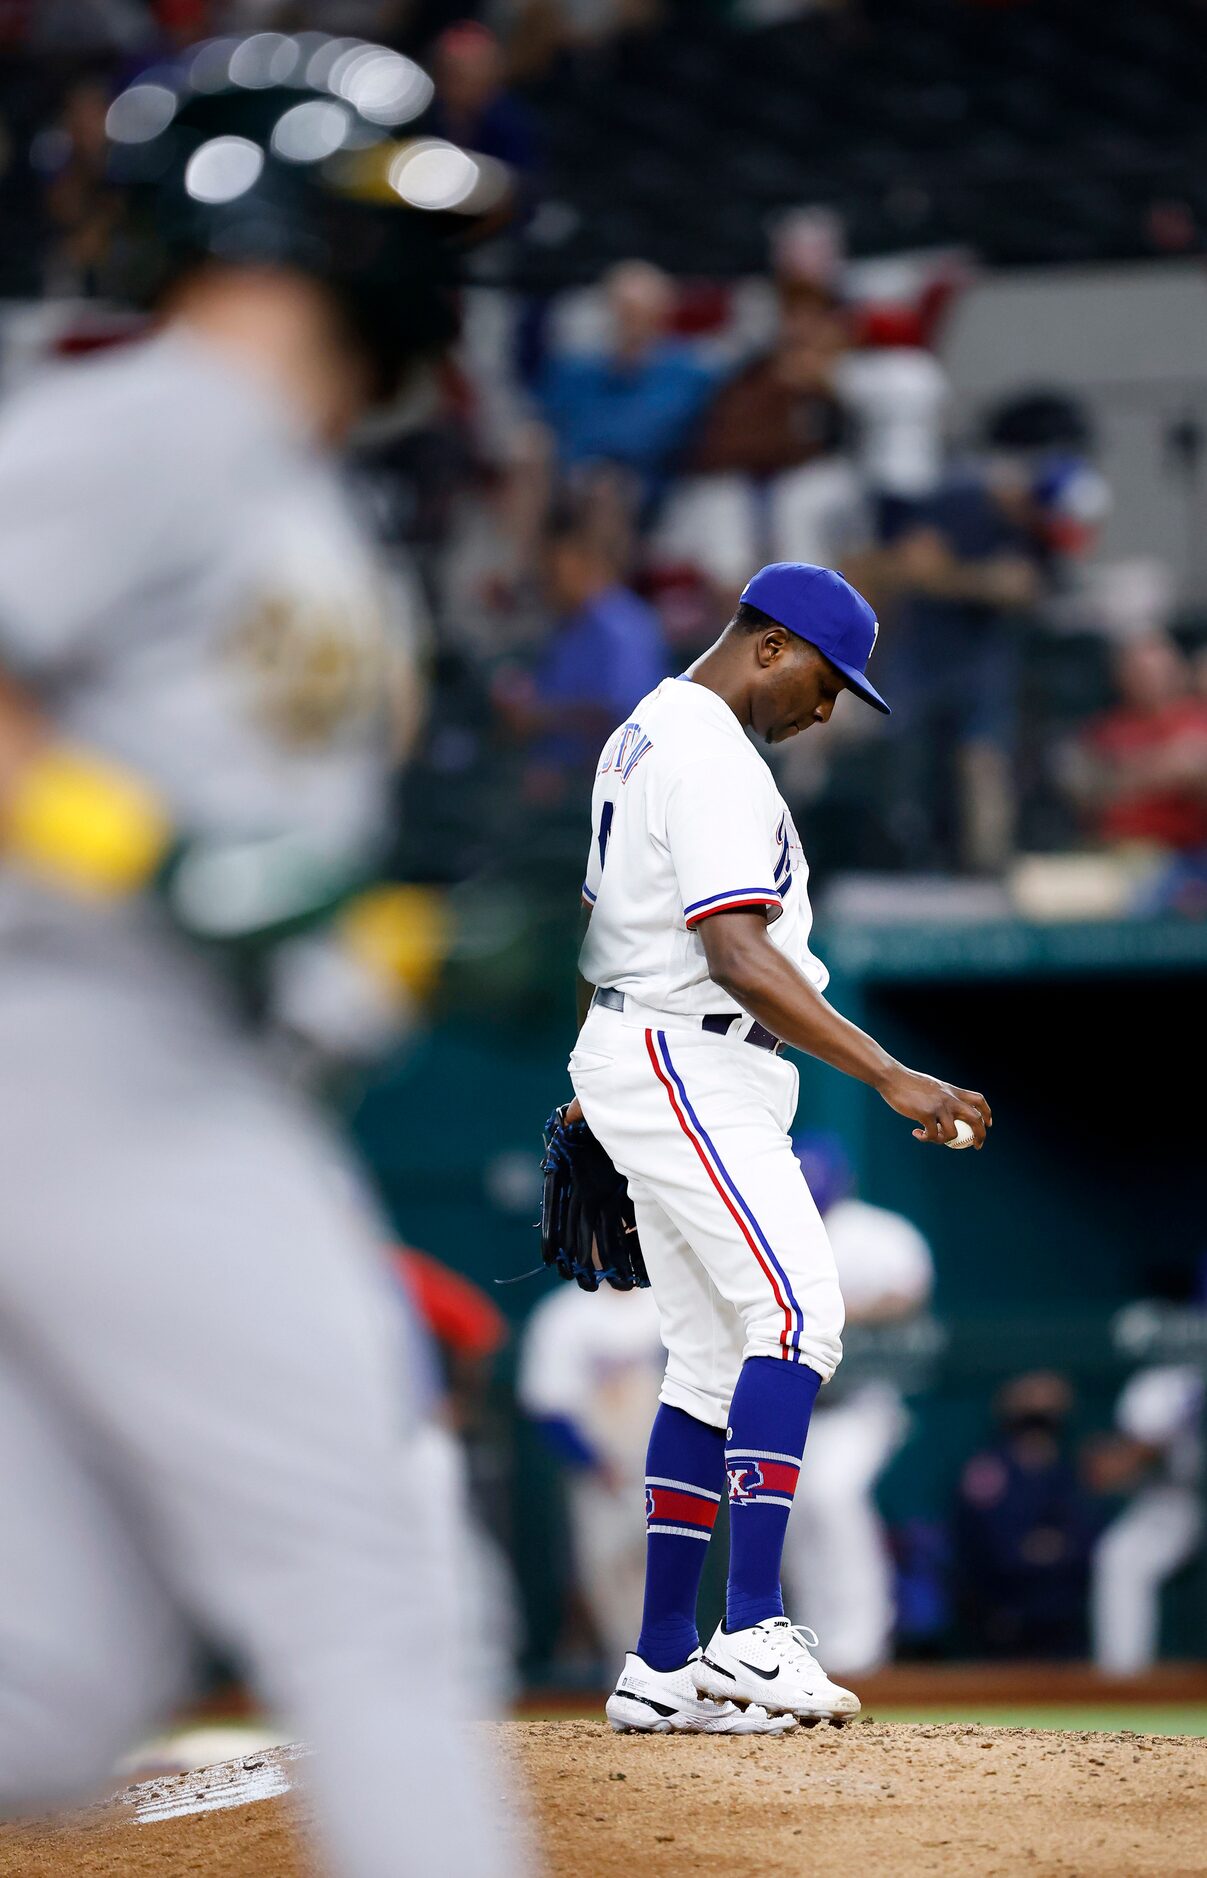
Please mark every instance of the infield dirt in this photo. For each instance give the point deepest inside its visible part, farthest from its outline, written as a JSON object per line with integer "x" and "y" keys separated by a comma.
{"x": 871, "y": 1799}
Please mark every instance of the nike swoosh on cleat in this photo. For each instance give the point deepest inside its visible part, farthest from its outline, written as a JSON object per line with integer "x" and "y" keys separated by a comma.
{"x": 659, "y": 1708}
{"x": 707, "y": 1660}
{"x": 768, "y": 1675}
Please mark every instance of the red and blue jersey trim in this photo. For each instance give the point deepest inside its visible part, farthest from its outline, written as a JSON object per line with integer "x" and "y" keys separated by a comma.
{"x": 727, "y": 902}
{"x": 737, "y": 1207}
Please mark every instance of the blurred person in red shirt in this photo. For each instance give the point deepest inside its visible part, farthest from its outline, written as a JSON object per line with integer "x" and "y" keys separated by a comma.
{"x": 466, "y": 1325}
{"x": 1139, "y": 772}
{"x": 183, "y": 22}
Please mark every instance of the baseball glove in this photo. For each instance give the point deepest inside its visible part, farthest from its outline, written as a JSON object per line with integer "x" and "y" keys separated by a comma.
{"x": 588, "y": 1229}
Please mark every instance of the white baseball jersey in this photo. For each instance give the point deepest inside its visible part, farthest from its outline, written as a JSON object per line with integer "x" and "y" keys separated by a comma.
{"x": 686, "y": 822}
{"x": 1163, "y": 1407}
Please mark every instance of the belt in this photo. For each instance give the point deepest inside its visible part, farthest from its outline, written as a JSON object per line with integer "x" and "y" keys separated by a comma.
{"x": 719, "y": 1023}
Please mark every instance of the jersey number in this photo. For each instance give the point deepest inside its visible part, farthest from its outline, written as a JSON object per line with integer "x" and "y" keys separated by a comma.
{"x": 605, "y": 830}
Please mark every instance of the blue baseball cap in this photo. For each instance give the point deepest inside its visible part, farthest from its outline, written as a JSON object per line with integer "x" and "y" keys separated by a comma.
{"x": 817, "y": 604}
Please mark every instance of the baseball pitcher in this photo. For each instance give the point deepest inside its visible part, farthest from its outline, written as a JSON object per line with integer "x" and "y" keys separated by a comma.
{"x": 696, "y": 970}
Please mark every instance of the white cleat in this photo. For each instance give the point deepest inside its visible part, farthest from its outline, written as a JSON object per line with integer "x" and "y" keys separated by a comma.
{"x": 649, "y": 1701}
{"x": 772, "y": 1664}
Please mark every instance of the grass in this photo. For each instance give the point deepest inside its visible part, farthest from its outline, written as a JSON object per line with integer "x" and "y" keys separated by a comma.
{"x": 1167, "y": 1718}
{"x": 1156, "y": 1718}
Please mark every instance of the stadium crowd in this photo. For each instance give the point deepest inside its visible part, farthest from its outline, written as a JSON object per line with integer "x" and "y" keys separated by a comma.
{"x": 586, "y": 489}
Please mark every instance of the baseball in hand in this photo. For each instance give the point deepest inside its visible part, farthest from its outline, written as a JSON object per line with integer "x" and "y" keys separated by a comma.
{"x": 962, "y": 1137}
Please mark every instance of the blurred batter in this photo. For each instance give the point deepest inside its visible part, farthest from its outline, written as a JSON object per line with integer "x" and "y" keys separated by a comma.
{"x": 205, "y": 1382}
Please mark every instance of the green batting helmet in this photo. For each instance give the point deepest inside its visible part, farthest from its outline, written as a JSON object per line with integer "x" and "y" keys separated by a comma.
{"x": 307, "y": 152}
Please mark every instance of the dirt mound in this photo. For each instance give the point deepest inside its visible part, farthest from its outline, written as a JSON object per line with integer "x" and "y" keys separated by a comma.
{"x": 956, "y": 1802}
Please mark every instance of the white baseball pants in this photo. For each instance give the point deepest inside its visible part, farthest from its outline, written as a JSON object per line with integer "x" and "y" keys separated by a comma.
{"x": 736, "y": 1251}
{"x": 1140, "y": 1550}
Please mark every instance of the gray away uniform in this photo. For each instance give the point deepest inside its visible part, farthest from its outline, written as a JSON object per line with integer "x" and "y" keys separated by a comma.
{"x": 203, "y": 1394}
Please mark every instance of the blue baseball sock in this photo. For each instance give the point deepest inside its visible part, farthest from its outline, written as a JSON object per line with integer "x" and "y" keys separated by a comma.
{"x": 684, "y": 1481}
{"x": 768, "y": 1422}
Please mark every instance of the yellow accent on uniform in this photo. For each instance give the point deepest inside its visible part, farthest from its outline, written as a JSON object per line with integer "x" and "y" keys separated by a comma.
{"x": 84, "y": 823}
{"x": 399, "y": 933}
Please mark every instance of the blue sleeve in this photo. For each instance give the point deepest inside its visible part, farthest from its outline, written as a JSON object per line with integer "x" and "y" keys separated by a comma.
{"x": 645, "y": 668}
{"x": 682, "y": 391}
{"x": 567, "y": 1443}
{"x": 518, "y": 135}
{"x": 553, "y": 383}
{"x": 639, "y": 658}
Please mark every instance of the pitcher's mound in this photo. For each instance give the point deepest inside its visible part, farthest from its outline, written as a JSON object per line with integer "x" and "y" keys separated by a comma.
{"x": 871, "y": 1798}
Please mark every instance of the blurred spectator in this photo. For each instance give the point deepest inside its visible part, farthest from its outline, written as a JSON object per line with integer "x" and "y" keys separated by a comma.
{"x": 384, "y": 20}
{"x": 14, "y": 22}
{"x": 605, "y": 652}
{"x": 473, "y": 105}
{"x": 809, "y": 248}
{"x": 765, "y": 477}
{"x": 1025, "y": 1529}
{"x": 589, "y": 1376}
{"x": 466, "y": 1325}
{"x": 538, "y": 31}
{"x": 897, "y": 390}
{"x": 183, "y": 22}
{"x": 1158, "y": 1457}
{"x": 634, "y": 403}
{"x": 774, "y": 12}
{"x": 1139, "y": 772}
{"x": 490, "y": 557}
{"x": 979, "y": 556}
{"x": 467, "y": 1331}
{"x": 72, "y": 155}
{"x": 836, "y": 1560}
{"x": 82, "y": 28}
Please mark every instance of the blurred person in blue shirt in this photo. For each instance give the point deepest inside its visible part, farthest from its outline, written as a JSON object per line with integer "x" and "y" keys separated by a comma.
{"x": 635, "y": 402}
{"x": 605, "y": 651}
{"x": 1025, "y": 1528}
{"x": 973, "y": 563}
{"x": 473, "y": 105}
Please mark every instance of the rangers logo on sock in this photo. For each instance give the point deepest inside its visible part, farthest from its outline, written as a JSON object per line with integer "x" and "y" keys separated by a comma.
{"x": 743, "y": 1480}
